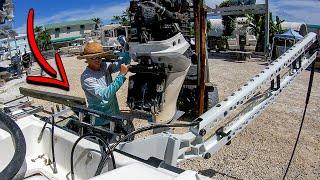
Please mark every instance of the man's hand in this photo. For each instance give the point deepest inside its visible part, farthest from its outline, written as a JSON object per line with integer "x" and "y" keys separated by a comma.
{"x": 124, "y": 69}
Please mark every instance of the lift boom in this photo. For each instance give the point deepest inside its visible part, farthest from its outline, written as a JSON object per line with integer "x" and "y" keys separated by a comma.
{"x": 252, "y": 98}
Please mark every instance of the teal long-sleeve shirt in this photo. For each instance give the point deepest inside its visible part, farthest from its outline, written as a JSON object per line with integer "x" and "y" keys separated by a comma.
{"x": 100, "y": 90}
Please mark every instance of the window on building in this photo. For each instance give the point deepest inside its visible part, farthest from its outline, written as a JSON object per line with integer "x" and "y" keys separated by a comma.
{"x": 82, "y": 29}
{"x": 57, "y": 32}
{"x": 120, "y": 31}
{"x": 68, "y": 29}
{"x": 108, "y": 33}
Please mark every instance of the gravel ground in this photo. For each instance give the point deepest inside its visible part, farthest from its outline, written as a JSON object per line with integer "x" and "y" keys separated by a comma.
{"x": 263, "y": 149}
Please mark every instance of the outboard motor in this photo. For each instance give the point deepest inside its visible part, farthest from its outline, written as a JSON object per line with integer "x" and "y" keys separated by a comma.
{"x": 158, "y": 41}
{"x": 156, "y": 84}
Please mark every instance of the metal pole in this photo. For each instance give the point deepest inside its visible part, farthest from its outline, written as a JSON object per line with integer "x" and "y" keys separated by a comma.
{"x": 17, "y": 53}
{"x": 9, "y": 46}
{"x": 197, "y": 29}
{"x": 267, "y": 24}
{"x": 203, "y": 55}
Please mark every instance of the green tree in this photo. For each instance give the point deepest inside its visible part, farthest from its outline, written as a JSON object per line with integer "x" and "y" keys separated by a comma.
{"x": 116, "y": 19}
{"x": 38, "y": 29}
{"x": 258, "y": 24}
{"x": 209, "y": 25}
{"x": 98, "y": 23}
{"x": 43, "y": 38}
{"x": 228, "y": 21}
{"x": 275, "y": 26}
{"x": 123, "y": 19}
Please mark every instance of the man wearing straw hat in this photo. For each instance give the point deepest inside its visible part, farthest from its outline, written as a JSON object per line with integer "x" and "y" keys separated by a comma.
{"x": 96, "y": 81}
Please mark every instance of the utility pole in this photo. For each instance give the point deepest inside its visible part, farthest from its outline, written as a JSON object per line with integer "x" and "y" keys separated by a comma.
{"x": 203, "y": 56}
{"x": 200, "y": 32}
{"x": 197, "y": 28}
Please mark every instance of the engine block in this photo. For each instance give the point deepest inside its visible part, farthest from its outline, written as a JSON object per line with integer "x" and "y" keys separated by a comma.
{"x": 157, "y": 20}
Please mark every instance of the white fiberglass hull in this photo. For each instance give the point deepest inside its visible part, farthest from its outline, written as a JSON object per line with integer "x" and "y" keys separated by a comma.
{"x": 86, "y": 157}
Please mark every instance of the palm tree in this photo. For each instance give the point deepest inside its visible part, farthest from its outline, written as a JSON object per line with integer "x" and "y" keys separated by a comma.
{"x": 276, "y": 27}
{"x": 98, "y": 22}
{"x": 228, "y": 21}
{"x": 38, "y": 29}
{"x": 123, "y": 19}
{"x": 209, "y": 25}
{"x": 46, "y": 40}
{"x": 116, "y": 19}
{"x": 258, "y": 24}
{"x": 43, "y": 38}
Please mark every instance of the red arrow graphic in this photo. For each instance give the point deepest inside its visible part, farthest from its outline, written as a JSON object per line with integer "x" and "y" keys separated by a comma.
{"x": 62, "y": 84}
{"x": 45, "y": 81}
{"x": 34, "y": 48}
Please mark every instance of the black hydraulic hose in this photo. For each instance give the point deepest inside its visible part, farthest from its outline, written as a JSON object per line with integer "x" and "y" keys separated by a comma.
{"x": 8, "y": 124}
{"x": 96, "y": 136}
{"x": 303, "y": 118}
{"x": 42, "y": 130}
{"x": 52, "y": 141}
{"x": 103, "y": 159}
{"x": 140, "y": 130}
{"x": 52, "y": 146}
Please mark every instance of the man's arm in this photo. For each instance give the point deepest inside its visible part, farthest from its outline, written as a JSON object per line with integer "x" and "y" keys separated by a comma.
{"x": 124, "y": 59}
{"x": 104, "y": 93}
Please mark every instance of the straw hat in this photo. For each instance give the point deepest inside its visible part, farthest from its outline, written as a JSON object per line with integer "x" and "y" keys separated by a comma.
{"x": 93, "y": 49}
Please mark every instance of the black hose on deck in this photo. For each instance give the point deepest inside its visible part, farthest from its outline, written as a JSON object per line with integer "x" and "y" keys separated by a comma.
{"x": 52, "y": 147}
{"x": 96, "y": 136}
{"x": 8, "y": 124}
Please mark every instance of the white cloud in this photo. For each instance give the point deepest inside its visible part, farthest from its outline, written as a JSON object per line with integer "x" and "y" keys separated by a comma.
{"x": 105, "y": 13}
{"x": 297, "y": 10}
{"x": 299, "y": 3}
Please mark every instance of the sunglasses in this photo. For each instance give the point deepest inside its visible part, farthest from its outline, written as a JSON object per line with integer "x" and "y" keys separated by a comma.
{"x": 96, "y": 58}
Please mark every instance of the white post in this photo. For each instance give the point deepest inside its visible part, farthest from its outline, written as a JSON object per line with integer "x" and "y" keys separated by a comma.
{"x": 9, "y": 47}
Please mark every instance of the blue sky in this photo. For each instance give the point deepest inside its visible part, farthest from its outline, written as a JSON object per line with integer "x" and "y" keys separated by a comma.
{"x": 49, "y": 11}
